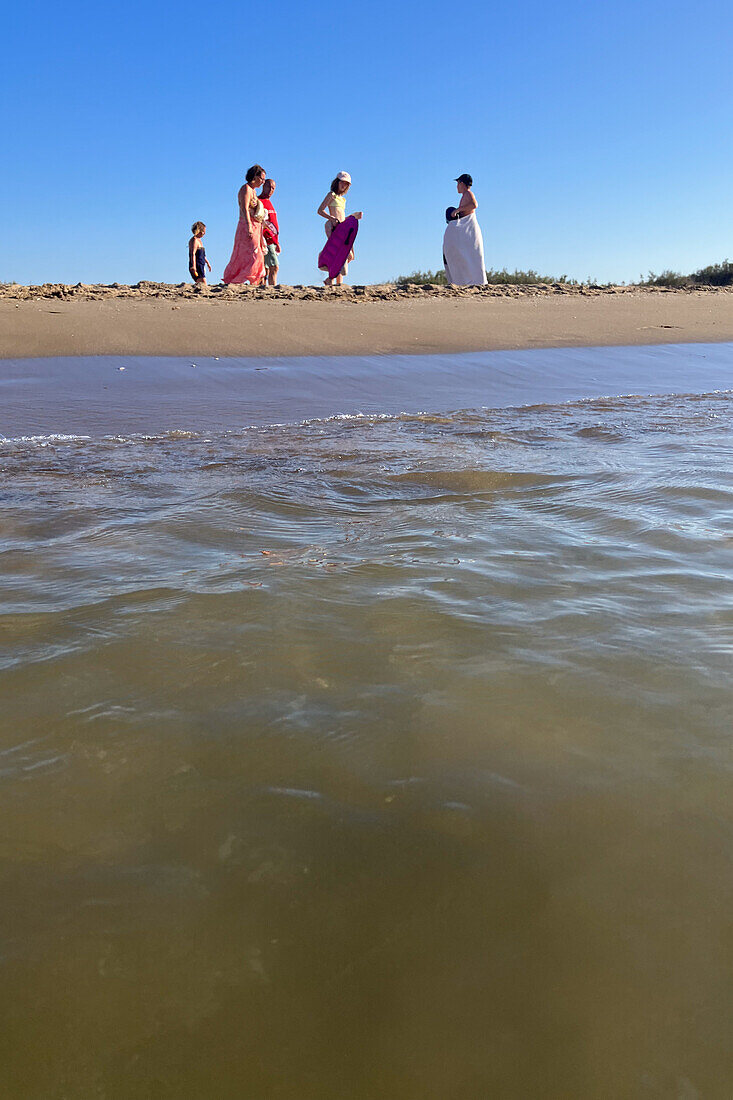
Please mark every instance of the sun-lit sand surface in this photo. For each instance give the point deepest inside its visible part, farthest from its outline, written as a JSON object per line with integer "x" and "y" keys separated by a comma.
{"x": 161, "y": 319}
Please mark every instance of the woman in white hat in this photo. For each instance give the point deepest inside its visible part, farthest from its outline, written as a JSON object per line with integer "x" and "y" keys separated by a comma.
{"x": 333, "y": 209}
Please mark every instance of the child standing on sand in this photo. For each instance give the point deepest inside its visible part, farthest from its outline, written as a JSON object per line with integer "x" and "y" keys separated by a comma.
{"x": 197, "y": 262}
{"x": 333, "y": 209}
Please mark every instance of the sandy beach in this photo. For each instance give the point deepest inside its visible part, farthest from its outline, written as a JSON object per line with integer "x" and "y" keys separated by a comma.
{"x": 164, "y": 319}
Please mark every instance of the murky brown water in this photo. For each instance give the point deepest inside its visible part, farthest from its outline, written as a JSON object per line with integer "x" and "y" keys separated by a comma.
{"x": 385, "y": 757}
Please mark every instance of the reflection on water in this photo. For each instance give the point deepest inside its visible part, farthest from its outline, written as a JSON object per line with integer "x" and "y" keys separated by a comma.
{"x": 375, "y": 757}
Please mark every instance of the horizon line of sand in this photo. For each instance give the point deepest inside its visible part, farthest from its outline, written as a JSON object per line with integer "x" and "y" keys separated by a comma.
{"x": 164, "y": 319}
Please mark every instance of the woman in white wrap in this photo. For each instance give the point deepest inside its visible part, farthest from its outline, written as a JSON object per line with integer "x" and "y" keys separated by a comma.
{"x": 463, "y": 245}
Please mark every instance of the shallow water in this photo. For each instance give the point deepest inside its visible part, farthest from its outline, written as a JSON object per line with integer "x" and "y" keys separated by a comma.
{"x": 365, "y": 727}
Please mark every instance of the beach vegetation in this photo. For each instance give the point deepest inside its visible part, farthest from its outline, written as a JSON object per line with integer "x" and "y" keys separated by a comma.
{"x": 713, "y": 275}
{"x": 524, "y": 278}
{"x": 664, "y": 278}
{"x": 496, "y": 278}
{"x": 422, "y": 278}
{"x": 720, "y": 274}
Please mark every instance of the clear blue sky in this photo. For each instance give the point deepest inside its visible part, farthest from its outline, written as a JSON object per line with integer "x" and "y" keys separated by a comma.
{"x": 598, "y": 134}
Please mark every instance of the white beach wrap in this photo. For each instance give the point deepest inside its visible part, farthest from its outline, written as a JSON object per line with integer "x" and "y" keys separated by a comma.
{"x": 463, "y": 250}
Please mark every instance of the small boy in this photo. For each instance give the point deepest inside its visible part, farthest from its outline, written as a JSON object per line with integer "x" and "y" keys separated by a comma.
{"x": 197, "y": 262}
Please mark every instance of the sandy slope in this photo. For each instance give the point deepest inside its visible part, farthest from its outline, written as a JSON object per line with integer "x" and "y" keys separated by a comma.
{"x": 159, "y": 319}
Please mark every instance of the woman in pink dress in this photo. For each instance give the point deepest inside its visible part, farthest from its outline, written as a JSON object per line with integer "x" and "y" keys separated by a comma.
{"x": 247, "y": 263}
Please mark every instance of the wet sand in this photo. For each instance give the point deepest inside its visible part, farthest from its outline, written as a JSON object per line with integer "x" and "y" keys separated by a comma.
{"x": 161, "y": 319}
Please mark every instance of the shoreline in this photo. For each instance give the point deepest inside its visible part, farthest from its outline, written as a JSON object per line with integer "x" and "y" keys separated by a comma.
{"x": 163, "y": 319}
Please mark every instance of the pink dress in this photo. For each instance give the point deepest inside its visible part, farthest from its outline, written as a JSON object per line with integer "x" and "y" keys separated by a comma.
{"x": 247, "y": 263}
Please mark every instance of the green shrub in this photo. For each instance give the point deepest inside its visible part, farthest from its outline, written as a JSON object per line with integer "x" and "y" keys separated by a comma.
{"x": 666, "y": 278}
{"x": 714, "y": 275}
{"x": 422, "y": 278}
{"x": 524, "y": 278}
{"x": 508, "y": 278}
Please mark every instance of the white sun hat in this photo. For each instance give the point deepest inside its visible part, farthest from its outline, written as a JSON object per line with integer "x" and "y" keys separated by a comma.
{"x": 344, "y": 176}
